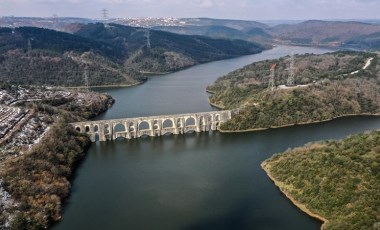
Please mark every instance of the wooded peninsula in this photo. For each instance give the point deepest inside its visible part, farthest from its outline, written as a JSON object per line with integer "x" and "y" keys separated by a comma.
{"x": 325, "y": 87}
{"x": 335, "y": 181}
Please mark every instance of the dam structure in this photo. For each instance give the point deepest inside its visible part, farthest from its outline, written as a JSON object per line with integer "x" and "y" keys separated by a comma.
{"x": 130, "y": 128}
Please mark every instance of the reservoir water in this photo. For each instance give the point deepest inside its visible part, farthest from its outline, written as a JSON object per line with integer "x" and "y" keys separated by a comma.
{"x": 194, "y": 181}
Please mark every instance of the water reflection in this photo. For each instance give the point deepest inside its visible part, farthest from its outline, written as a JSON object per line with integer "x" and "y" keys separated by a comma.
{"x": 193, "y": 181}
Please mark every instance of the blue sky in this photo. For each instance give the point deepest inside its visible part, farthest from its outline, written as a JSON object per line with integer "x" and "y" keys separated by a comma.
{"x": 232, "y": 9}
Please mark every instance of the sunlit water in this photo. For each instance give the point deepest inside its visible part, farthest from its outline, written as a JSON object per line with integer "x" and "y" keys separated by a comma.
{"x": 193, "y": 181}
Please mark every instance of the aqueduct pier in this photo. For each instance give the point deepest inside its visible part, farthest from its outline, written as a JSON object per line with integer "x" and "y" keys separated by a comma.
{"x": 130, "y": 128}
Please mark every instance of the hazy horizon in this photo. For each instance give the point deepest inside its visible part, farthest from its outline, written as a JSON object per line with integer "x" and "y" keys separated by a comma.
{"x": 219, "y": 9}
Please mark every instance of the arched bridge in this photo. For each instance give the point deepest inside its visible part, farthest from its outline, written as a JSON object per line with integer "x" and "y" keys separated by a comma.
{"x": 131, "y": 128}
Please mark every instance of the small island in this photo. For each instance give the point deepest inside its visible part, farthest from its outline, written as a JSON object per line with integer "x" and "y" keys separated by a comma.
{"x": 325, "y": 87}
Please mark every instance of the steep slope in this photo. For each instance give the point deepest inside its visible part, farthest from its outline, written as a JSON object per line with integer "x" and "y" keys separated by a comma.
{"x": 37, "y": 56}
{"x": 327, "y": 86}
{"x": 110, "y": 54}
{"x": 168, "y": 52}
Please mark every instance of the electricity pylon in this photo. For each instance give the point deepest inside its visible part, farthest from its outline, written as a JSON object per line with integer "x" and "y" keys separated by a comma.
{"x": 290, "y": 81}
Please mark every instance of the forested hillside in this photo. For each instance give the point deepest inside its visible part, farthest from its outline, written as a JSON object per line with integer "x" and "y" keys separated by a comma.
{"x": 326, "y": 86}
{"x": 345, "y": 34}
{"x": 337, "y": 180}
{"x": 110, "y": 54}
{"x": 169, "y": 51}
{"x": 45, "y": 57}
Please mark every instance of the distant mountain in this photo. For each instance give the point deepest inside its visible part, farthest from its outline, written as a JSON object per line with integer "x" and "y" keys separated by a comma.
{"x": 242, "y": 25}
{"x": 169, "y": 51}
{"x": 215, "y": 28}
{"x": 345, "y": 33}
{"x": 222, "y": 28}
{"x": 371, "y": 41}
{"x": 253, "y": 35}
{"x": 328, "y": 33}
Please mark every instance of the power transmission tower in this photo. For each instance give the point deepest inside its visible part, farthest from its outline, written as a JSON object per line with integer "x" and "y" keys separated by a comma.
{"x": 271, "y": 79}
{"x": 148, "y": 39}
{"x": 105, "y": 14}
{"x": 86, "y": 76}
{"x": 105, "y": 17}
{"x": 290, "y": 81}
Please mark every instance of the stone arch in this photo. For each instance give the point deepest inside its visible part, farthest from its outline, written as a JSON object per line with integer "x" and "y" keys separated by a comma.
{"x": 77, "y": 128}
{"x": 190, "y": 121}
{"x": 119, "y": 127}
{"x": 167, "y": 132}
{"x": 96, "y": 128}
{"x": 143, "y": 125}
{"x": 87, "y": 128}
{"x": 120, "y": 137}
{"x": 168, "y": 123}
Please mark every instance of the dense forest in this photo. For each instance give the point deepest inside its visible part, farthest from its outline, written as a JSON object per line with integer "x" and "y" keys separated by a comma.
{"x": 60, "y": 59}
{"x": 108, "y": 54}
{"x": 38, "y": 180}
{"x": 168, "y": 51}
{"x": 41, "y": 67}
{"x": 338, "y": 180}
{"x": 329, "y": 86}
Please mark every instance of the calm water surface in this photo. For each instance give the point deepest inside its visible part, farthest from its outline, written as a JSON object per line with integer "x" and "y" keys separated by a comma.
{"x": 194, "y": 181}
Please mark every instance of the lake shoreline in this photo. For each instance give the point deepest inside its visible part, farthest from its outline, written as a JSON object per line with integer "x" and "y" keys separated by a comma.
{"x": 299, "y": 124}
{"x": 106, "y": 86}
{"x": 71, "y": 213}
{"x": 299, "y": 205}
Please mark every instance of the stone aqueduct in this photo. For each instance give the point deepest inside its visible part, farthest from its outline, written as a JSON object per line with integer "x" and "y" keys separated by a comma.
{"x": 130, "y": 128}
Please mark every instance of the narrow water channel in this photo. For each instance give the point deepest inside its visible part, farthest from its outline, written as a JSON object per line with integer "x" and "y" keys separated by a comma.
{"x": 194, "y": 181}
